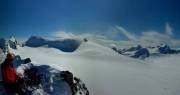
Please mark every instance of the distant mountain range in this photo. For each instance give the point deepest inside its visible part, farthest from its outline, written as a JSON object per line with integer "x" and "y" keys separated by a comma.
{"x": 143, "y": 52}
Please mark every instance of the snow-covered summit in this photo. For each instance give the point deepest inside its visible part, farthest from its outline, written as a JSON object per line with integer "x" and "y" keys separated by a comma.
{"x": 8, "y": 43}
{"x": 13, "y": 39}
{"x": 13, "y": 43}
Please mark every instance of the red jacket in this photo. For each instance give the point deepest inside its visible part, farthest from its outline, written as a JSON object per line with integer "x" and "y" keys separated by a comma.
{"x": 8, "y": 72}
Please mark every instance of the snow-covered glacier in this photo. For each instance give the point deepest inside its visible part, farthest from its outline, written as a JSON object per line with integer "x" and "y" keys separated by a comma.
{"x": 106, "y": 72}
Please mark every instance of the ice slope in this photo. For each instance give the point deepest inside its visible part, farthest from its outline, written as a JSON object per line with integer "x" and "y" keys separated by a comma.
{"x": 106, "y": 72}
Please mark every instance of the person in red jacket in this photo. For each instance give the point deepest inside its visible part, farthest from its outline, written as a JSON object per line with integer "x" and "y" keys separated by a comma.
{"x": 10, "y": 78}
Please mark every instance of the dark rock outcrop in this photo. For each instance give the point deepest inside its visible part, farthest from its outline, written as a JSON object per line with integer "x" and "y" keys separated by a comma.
{"x": 66, "y": 45}
{"x": 165, "y": 49}
{"x": 141, "y": 53}
{"x": 135, "y": 52}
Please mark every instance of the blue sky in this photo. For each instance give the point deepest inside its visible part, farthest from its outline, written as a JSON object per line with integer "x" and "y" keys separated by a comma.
{"x": 24, "y": 18}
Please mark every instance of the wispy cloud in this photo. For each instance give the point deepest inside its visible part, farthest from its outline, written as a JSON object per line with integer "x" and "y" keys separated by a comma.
{"x": 63, "y": 34}
{"x": 146, "y": 38}
{"x": 152, "y": 37}
{"x": 129, "y": 35}
{"x": 168, "y": 29}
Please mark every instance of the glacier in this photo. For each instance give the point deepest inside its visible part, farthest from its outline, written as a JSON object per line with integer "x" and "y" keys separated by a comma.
{"x": 106, "y": 72}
